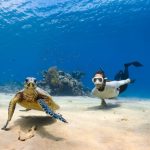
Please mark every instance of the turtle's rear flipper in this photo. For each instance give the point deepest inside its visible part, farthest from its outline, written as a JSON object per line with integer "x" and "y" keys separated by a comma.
{"x": 50, "y": 112}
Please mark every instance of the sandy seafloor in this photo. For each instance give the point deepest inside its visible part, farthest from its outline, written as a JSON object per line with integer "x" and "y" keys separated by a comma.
{"x": 124, "y": 125}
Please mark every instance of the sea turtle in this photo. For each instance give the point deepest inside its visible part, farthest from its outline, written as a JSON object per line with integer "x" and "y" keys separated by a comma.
{"x": 33, "y": 97}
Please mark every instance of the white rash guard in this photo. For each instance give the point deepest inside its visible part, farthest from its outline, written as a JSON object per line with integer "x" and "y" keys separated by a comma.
{"x": 111, "y": 89}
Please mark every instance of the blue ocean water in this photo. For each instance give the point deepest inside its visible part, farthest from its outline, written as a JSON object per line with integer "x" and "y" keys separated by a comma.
{"x": 75, "y": 35}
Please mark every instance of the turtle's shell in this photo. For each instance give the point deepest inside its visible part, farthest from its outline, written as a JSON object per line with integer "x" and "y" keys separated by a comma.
{"x": 43, "y": 92}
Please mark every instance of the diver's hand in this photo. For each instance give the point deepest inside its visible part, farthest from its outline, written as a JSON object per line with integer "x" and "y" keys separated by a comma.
{"x": 132, "y": 80}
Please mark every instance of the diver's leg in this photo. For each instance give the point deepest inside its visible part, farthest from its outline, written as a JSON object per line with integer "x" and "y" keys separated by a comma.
{"x": 121, "y": 75}
{"x": 11, "y": 110}
{"x": 118, "y": 75}
{"x": 123, "y": 88}
{"x": 125, "y": 75}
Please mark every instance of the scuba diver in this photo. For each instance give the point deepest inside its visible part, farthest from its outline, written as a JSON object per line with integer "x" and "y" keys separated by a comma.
{"x": 121, "y": 75}
{"x": 106, "y": 89}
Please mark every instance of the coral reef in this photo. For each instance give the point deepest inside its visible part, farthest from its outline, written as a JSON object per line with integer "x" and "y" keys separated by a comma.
{"x": 55, "y": 82}
{"x": 58, "y": 82}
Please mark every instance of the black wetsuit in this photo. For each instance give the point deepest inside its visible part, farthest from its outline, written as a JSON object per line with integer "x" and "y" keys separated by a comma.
{"x": 122, "y": 75}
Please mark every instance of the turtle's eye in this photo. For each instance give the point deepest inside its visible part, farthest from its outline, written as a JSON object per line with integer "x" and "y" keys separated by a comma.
{"x": 26, "y": 80}
{"x": 35, "y": 81}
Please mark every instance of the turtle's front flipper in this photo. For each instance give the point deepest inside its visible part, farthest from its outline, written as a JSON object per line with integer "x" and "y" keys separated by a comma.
{"x": 4, "y": 127}
{"x": 11, "y": 110}
{"x": 50, "y": 112}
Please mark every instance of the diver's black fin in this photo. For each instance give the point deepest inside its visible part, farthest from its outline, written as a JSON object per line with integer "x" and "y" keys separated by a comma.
{"x": 137, "y": 64}
{"x": 50, "y": 112}
{"x": 134, "y": 63}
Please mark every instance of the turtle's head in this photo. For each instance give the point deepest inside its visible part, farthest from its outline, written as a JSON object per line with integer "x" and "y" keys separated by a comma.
{"x": 30, "y": 83}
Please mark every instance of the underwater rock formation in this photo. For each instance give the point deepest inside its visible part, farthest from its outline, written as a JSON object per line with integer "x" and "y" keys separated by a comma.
{"x": 78, "y": 75}
{"x": 55, "y": 82}
{"x": 58, "y": 82}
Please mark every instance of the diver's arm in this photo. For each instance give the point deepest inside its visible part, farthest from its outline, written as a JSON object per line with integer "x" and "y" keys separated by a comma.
{"x": 122, "y": 82}
{"x": 94, "y": 92}
{"x": 118, "y": 83}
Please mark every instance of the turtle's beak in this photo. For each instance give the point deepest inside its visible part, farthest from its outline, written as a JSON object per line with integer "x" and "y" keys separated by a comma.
{"x": 30, "y": 85}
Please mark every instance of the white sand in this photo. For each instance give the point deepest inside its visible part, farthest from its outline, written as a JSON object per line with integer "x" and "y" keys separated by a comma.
{"x": 125, "y": 125}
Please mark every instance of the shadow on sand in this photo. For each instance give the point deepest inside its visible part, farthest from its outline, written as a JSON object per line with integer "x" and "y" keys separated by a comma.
{"x": 108, "y": 107}
{"x": 26, "y": 122}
